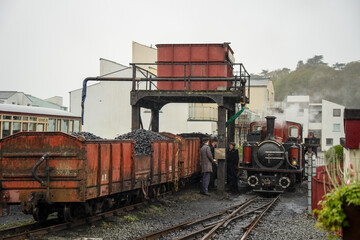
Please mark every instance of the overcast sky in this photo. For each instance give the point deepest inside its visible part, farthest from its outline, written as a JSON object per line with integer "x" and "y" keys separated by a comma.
{"x": 48, "y": 47}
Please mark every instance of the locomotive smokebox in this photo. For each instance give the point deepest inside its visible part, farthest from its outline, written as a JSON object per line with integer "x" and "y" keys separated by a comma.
{"x": 270, "y": 127}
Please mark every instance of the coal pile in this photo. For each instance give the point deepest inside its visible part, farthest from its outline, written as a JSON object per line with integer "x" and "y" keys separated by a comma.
{"x": 86, "y": 135}
{"x": 142, "y": 140}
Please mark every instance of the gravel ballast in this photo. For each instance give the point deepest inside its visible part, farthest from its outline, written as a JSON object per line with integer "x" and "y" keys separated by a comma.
{"x": 288, "y": 219}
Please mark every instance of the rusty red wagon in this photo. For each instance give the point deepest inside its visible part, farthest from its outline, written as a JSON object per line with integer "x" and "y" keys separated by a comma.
{"x": 50, "y": 172}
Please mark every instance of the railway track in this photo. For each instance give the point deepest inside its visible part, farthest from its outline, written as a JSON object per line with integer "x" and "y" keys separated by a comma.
{"x": 207, "y": 226}
{"x": 53, "y": 225}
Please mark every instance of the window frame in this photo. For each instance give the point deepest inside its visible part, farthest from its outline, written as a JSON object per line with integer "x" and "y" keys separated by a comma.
{"x": 337, "y": 114}
{"x": 328, "y": 144}
{"x": 336, "y": 130}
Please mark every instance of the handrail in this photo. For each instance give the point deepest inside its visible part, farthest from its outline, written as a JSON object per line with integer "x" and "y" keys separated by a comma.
{"x": 44, "y": 157}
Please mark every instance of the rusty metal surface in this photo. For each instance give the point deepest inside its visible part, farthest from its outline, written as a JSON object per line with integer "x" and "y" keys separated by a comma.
{"x": 19, "y": 154}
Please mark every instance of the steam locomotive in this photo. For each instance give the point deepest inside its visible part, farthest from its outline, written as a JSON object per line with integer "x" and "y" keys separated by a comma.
{"x": 273, "y": 155}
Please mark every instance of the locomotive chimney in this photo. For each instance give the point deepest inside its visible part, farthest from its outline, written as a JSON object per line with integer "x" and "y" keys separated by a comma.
{"x": 270, "y": 127}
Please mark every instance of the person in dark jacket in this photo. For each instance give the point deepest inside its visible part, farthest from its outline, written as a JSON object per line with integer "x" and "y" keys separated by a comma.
{"x": 206, "y": 166}
{"x": 213, "y": 175}
{"x": 232, "y": 160}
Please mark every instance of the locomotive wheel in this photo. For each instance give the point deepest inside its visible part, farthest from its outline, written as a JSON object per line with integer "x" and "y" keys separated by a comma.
{"x": 40, "y": 214}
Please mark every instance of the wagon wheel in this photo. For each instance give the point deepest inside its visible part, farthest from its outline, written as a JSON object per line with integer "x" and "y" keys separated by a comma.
{"x": 107, "y": 204}
{"x": 40, "y": 214}
{"x": 67, "y": 213}
{"x": 89, "y": 208}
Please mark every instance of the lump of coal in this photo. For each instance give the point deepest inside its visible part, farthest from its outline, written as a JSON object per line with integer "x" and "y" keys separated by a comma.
{"x": 142, "y": 140}
{"x": 86, "y": 135}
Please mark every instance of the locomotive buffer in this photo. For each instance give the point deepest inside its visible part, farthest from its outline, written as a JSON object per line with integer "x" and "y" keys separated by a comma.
{"x": 145, "y": 94}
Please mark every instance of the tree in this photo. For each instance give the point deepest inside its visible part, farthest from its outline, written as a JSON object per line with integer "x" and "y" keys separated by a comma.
{"x": 317, "y": 59}
{"x": 339, "y": 66}
{"x": 264, "y": 72}
{"x": 300, "y": 64}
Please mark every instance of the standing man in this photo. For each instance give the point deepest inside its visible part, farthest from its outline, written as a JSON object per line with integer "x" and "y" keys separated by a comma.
{"x": 213, "y": 175}
{"x": 206, "y": 165}
{"x": 232, "y": 160}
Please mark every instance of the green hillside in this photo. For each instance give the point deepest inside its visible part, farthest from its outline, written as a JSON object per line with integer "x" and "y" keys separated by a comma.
{"x": 339, "y": 83}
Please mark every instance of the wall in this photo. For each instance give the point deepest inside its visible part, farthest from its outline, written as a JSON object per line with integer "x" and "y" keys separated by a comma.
{"x": 107, "y": 105}
{"x": 351, "y": 156}
{"x": 144, "y": 54}
{"x": 261, "y": 97}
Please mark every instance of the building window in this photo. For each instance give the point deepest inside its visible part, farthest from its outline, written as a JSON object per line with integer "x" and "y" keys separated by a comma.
{"x": 32, "y": 127}
{"x": 65, "y": 126}
{"x": 51, "y": 126}
{"x": 25, "y": 127}
{"x": 16, "y": 127}
{"x": 329, "y": 142}
{"x": 58, "y": 125}
{"x": 40, "y": 127}
{"x": 6, "y": 131}
{"x": 337, "y": 112}
{"x": 336, "y": 127}
{"x": 76, "y": 126}
{"x": 71, "y": 126}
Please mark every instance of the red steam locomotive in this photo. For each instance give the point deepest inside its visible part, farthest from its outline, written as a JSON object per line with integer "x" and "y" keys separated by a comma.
{"x": 273, "y": 155}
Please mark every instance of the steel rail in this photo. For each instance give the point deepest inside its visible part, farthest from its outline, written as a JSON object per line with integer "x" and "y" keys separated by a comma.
{"x": 213, "y": 230}
{"x": 28, "y": 227}
{"x": 65, "y": 225}
{"x": 256, "y": 220}
{"x": 182, "y": 225}
{"x": 211, "y": 225}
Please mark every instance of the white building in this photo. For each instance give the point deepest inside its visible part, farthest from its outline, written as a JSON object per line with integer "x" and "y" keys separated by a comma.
{"x": 332, "y": 124}
{"x": 324, "y": 119}
{"x": 107, "y": 111}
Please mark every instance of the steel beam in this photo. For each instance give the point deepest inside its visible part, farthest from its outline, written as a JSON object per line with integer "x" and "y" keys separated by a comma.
{"x": 155, "y": 120}
{"x": 231, "y": 128}
{"x": 135, "y": 117}
{"x": 221, "y": 170}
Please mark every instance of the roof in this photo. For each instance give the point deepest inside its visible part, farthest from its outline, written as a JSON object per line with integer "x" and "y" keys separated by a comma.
{"x": 351, "y": 114}
{"x": 259, "y": 82}
{"x": 12, "y": 108}
{"x": 6, "y": 94}
{"x": 42, "y": 103}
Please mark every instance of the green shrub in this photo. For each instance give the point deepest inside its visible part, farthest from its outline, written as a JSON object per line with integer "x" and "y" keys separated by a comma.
{"x": 335, "y": 152}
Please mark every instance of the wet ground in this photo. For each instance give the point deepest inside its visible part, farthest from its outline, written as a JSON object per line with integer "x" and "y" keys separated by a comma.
{"x": 288, "y": 220}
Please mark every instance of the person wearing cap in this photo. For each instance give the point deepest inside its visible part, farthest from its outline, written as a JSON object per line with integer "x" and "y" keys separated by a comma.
{"x": 206, "y": 166}
{"x": 213, "y": 175}
{"x": 232, "y": 160}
